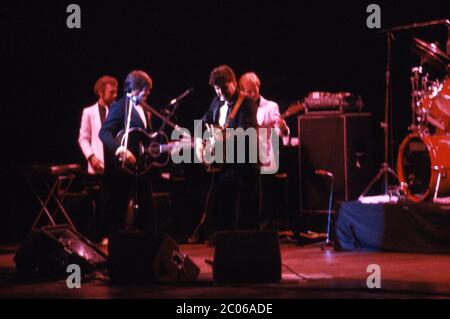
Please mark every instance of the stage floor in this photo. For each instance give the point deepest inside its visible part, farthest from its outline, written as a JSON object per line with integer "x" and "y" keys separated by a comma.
{"x": 319, "y": 274}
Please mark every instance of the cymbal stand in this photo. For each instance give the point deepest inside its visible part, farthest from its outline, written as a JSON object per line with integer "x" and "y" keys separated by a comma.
{"x": 385, "y": 169}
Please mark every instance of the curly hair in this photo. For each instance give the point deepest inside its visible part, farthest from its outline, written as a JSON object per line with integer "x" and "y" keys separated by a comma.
{"x": 100, "y": 84}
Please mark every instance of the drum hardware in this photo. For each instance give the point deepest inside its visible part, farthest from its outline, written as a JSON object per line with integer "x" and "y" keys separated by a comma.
{"x": 404, "y": 186}
{"x": 438, "y": 182}
{"x": 435, "y": 122}
{"x": 430, "y": 108}
{"x": 424, "y": 155}
{"x": 429, "y": 53}
{"x": 418, "y": 83}
{"x": 435, "y": 107}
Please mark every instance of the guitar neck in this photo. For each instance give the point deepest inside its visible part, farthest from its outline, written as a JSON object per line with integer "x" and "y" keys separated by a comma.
{"x": 167, "y": 148}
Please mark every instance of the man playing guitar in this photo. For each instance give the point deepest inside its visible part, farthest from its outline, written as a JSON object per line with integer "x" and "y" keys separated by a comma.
{"x": 233, "y": 200}
{"x": 120, "y": 185}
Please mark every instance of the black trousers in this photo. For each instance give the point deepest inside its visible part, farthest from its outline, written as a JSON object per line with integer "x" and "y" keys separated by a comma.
{"x": 98, "y": 229}
{"x": 268, "y": 205}
{"x": 233, "y": 203}
{"x": 118, "y": 189}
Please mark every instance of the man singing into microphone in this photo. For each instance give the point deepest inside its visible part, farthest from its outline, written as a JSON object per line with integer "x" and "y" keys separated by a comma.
{"x": 121, "y": 186}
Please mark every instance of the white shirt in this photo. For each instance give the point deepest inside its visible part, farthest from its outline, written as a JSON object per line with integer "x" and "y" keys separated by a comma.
{"x": 223, "y": 112}
{"x": 141, "y": 113}
{"x": 268, "y": 113}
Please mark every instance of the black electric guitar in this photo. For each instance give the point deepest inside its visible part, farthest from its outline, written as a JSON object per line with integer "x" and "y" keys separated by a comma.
{"x": 149, "y": 149}
{"x": 217, "y": 131}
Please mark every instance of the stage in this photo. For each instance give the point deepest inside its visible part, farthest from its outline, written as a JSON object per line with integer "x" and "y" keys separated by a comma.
{"x": 308, "y": 272}
{"x": 346, "y": 86}
{"x": 403, "y": 226}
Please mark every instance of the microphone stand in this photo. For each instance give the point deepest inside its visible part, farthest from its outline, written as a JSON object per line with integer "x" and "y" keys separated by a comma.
{"x": 328, "y": 243}
{"x": 129, "y": 103}
{"x": 175, "y": 103}
{"x": 172, "y": 112}
{"x": 159, "y": 115}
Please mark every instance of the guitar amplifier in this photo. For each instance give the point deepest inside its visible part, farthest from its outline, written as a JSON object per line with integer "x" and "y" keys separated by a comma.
{"x": 338, "y": 103}
{"x": 342, "y": 144}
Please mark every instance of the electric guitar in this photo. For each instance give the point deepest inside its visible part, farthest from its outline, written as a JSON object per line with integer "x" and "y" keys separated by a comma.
{"x": 216, "y": 132}
{"x": 149, "y": 149}
{"x": 293, "y": 109}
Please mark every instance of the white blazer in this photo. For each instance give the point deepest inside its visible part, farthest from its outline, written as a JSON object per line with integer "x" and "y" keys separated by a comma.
{"x": 268, "y": 113}
{"x": 88, "y": 138}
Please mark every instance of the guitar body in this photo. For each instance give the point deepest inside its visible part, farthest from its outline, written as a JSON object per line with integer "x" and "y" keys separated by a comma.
{"x": 150, "y": 150}
{"x": 217, "y": 133}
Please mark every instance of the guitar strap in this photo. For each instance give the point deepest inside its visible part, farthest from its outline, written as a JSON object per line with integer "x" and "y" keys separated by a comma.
{"x": 234, "y": 111}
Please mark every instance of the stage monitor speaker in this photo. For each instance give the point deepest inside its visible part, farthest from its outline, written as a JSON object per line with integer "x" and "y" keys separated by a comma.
{"x": 342, "y": 144}
{"x": 247, "y": 257}
{"x": 48, "y": 251}
{"x": 144, "y": 257}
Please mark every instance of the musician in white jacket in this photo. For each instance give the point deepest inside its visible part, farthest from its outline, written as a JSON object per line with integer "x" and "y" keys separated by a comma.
{"x": 92, "y": 147}
{"x": 91, "y": 122}
{"x": 268, "y": 117}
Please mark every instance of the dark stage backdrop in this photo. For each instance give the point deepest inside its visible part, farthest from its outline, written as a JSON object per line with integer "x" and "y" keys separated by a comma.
{"x": 48, "y": 70}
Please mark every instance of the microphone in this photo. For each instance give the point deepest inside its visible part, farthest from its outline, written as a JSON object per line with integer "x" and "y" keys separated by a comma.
{"x": 133, "y": 98}
{"x": 323, "y": 172}
{"x": 182, "y": 96}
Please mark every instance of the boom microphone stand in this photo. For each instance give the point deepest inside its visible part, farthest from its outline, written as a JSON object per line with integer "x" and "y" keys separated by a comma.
{"x": 174, "y": 104}
{"x": 385, "y": 169}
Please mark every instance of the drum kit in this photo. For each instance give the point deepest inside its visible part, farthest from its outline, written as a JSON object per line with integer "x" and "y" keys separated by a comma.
{"x": 423, "y": 162}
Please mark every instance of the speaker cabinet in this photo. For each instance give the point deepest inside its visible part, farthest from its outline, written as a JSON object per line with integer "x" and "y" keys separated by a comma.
{"x": 48, "y": 251}
{"x": 247, "y": 257}
{"x": 342, "y": 144}
{"x": 144, "y": 257}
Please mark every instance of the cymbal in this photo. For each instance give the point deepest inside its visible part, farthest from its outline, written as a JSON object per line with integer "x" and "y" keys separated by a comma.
{"x": 431, "y": 54}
